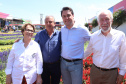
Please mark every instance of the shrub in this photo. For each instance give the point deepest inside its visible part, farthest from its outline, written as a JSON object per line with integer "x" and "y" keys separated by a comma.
{"x": 2, "y": 77}
{"x": 119, "y": 17}
{"x": 86, "y": 25}
{"x": 94, "y": 23}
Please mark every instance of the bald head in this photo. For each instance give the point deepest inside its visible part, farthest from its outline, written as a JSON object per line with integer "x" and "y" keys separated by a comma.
{"x": 49, "y": 23}
{"x": 50, "y": 17}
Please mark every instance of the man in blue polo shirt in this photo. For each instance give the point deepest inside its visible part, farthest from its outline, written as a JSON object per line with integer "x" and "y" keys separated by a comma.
{"x": 50, "y": 44}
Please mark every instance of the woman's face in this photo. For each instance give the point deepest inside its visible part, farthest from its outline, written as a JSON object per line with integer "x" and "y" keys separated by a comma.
{"x": 28, "y": 32}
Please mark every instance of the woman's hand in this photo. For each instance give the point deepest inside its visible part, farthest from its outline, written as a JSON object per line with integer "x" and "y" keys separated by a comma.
{"x": 39, "y": 79}
{"x": 8, "y": 79}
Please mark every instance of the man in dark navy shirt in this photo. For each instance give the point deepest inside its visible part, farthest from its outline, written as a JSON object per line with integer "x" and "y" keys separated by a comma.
{"x": 50, "y": 44}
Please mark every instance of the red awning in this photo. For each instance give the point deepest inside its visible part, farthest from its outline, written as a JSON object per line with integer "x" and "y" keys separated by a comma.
{"x": 15, "y": 24}
{"x": 3, "y": 15}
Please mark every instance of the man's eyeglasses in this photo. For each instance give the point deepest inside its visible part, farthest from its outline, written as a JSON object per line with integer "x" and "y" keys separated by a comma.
{"x": 32, "y": 31}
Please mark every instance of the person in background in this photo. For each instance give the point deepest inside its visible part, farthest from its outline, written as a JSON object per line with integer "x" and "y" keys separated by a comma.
{"x": 5, "y": 28}
{"x": 25, "y": 60}
{"x": 109, "y": 52}
{"x": 49, "y": 40}
{"x": 14, "y": 28}
{"x": 73, "y": 39}
{"x": 8, "y": 28}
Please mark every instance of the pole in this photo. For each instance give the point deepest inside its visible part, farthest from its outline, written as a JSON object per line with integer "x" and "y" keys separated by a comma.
{"x": 41, "y": 18}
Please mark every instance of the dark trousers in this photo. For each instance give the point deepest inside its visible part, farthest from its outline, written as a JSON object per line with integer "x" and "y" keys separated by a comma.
{"x": 51, "y": 73}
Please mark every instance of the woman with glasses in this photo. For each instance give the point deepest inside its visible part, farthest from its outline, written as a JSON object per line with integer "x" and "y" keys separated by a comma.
{"x": 25, "y": 60}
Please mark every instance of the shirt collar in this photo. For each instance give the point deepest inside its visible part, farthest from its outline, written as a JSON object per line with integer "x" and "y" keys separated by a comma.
{"x": 74, "y": 26}
{"x": 111, "y": 32}
{"x": 55, "y": 31}
{"x": 21, "y": 41}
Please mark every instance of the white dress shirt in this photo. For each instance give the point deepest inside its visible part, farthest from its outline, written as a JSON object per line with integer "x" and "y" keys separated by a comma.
{"x": 26, "y": 62}
{"x": 73, "y": 41}
{"x": 109, "y": 51}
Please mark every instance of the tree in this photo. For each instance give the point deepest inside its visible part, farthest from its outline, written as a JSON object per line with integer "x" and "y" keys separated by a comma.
{"x": 94, "y": 23}
{"x": 119, "y": 17}
{"x": 86, "y": 25}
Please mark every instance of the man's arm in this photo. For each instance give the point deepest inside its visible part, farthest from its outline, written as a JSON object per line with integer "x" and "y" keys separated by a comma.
{"x": 37, "y": 38}
{"x": 122, "y": 57}
{"x": 89, "y": 50}
{"x": 87, "y": 34}
{"x": 122, "y": 61}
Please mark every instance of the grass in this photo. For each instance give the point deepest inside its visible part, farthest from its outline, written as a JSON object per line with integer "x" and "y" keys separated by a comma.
{"x": 85, "y": 45}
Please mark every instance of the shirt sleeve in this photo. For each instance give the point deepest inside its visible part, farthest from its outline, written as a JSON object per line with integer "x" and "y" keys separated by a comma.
{"x": 87, "y": 34}
{"x": 122, "y": 57}
{"x": 10, "y": 62}
{"x": 39, "y": 61}
{"x": 89, "y": 50}
{"x": 37, "y": 38}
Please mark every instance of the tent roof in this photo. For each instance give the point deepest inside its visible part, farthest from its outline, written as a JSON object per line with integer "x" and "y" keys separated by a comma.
{"x": 3, "y": 15}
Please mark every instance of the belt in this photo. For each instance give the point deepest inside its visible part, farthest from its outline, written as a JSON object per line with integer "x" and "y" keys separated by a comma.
{"x": 103, "y": 69}
{"x": 71, "y": 60}
{"x": 52, "y": 62}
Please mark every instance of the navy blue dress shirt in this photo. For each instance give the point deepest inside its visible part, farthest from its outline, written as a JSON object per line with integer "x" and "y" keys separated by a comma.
{"x": 50, "y": 46}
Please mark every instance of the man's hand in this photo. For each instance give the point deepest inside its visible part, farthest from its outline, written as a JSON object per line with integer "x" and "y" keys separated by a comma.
{"x": 39, "y": 79}
{"x": 119, "y": 79}
{"x": 17, "y": 40}
{"x": 8, "y": 79}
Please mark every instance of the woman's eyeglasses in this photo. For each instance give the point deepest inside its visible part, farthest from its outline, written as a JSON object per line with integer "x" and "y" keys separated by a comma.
{"x": 32, "y": 31}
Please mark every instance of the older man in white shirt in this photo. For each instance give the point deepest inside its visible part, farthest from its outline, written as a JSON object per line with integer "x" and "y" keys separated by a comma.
{"x": 109, "y": 47}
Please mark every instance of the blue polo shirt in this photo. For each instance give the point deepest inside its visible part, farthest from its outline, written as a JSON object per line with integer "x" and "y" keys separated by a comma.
{"x": 50, "y": 46}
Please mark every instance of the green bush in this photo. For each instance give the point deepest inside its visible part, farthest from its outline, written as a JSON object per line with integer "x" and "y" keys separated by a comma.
{"x": 94, "y": 23}
{"x": 119, "y": 17}
{"x": 2, "y": 77}
{"x": 6, "y": 42}
{"x": 86, "y": 25}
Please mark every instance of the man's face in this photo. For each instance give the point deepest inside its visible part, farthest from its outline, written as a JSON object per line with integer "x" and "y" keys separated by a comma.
{"x": 49, "y": 23}
{"x": 105, "y": 22}
{"x": 68, "y": 18}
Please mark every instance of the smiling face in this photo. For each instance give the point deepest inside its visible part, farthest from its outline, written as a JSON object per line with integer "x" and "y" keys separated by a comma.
{"x": 49, "y": 23}
{"x": 28, "y": 32}
{"x": 105, "y": 21}
{"x": 68, "y": 18}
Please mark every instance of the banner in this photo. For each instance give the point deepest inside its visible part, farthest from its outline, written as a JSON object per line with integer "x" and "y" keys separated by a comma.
{"x": 121, "y": 5}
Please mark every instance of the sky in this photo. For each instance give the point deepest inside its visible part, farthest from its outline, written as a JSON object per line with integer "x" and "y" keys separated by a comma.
{"x": 31, "y": 9}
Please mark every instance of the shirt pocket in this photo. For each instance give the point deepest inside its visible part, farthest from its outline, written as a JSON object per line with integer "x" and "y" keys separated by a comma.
{"x": 32, "y": 56}
{"x": 53, "y": 43}
{"x": 113, "y": 48}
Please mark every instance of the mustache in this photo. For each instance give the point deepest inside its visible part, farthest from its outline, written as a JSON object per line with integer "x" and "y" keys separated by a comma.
{"x": 104, "y": 25}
